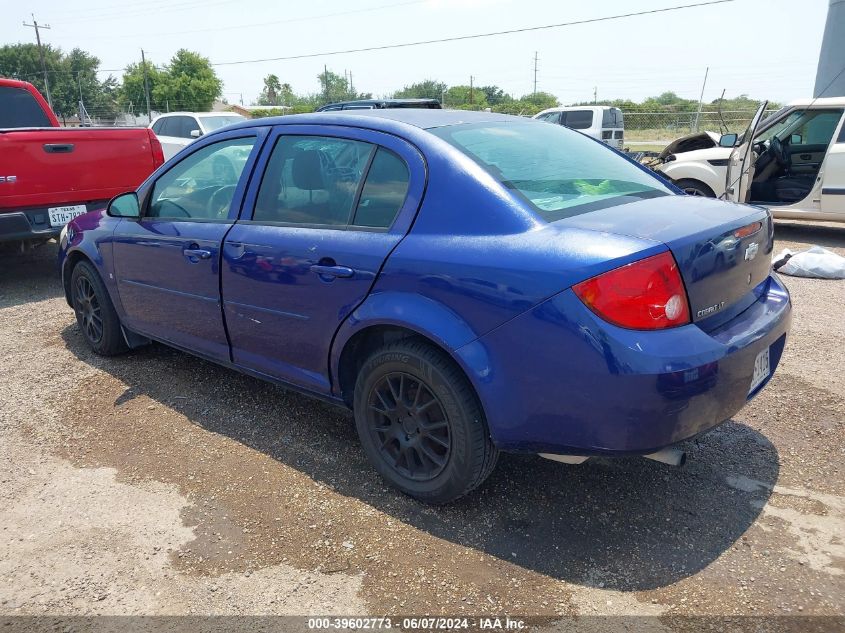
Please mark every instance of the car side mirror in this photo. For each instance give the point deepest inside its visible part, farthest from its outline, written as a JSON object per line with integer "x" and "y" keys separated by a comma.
{"x": 796, "y": 139}
{"x": 125, "y": 205}
{"x": 195, "y": 133}
{"x": 728, "y": 140}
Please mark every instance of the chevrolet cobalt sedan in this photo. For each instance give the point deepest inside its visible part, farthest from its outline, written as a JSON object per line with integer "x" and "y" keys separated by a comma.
{"x": 466, "y": 283}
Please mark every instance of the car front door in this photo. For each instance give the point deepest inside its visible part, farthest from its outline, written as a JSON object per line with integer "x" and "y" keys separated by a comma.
{"x": 741, "y": 163}
{"x": 833, "y": 176}
{"x": 331, "y": 205}
{"x": 167, "y": 262}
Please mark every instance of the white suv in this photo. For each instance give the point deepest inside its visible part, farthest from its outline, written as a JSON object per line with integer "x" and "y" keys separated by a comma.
{"x": 175, "y": 130}
{"x": 793, "y": 163}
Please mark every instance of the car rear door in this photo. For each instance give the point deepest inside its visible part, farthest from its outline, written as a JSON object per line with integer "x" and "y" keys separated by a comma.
{"x": 326, "y": 208}
{"x": 167, "y": 263}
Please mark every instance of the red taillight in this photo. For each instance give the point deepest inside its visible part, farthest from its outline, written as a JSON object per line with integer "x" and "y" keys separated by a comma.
{"x": 157, "y": 151}
{"x": 646, "y": 295}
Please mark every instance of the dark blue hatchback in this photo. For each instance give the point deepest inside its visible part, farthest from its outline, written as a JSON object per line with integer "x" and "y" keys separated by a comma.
{"x": 465, "y": 282}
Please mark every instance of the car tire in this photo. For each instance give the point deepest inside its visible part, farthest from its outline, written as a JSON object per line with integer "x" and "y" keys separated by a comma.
{"x": 695, "y": 188}
{"x": 95, "y": 313}
{"x": 420, "y": 422}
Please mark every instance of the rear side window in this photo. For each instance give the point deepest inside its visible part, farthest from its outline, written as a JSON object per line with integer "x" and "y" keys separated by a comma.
{"x": 158, "y": 126}
{"x": 384, "y": 191}
{"x": 550, "y": 117}
{"x": 18, "y": 108}
{"x": 577, "y": 119}
{"x": 312, "y": 180}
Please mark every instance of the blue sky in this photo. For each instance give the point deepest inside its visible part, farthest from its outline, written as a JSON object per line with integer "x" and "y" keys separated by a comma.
{"x": 741, "y": 41}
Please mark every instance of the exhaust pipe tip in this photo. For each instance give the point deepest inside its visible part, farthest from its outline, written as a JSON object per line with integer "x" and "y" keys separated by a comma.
{"x": 671, "y": 456}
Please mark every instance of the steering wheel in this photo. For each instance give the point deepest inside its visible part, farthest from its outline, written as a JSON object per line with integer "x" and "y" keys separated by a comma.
{"x": 220, "y": 201}
{"x": 779, "y": 152}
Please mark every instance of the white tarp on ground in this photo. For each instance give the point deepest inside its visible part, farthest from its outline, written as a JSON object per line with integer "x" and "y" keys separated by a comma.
{"x": 816, "y": 262}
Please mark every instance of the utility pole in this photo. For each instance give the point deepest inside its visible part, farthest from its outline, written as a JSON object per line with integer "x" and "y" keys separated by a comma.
{"x": 700, "y": 100}
{"x": 595, "y": 94}
{"x": 470, "y": 89}
{"x": 351, "y": 85}
{"x": 37, "y": 26}
{"x": 326, "y": 80}
{"x": 535, "y": 75}
{"x": 146, "y": 86}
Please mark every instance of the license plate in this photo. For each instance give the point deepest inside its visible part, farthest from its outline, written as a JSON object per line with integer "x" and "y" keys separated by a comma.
{"x": 761, "y": 369}
{"x": 59, "y": 216}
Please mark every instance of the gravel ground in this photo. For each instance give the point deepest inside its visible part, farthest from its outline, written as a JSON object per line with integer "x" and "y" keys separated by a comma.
{"x": 157, "y": 483}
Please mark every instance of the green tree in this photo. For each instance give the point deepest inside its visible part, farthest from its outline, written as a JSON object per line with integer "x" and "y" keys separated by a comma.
{"x": 131, "y": 97}
{"x": 72, "y": 76}
{"x": 495, "y": 95}
{"x": 466, "y": 98}
{"x": 334, "y": 87}
{"x": 270, "y": 94}
{"x": 426, "y": 89}
{"x": 188, "y": 83}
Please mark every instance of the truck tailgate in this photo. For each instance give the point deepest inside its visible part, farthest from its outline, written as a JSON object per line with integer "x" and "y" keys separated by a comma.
{"x": 64, "y": 166}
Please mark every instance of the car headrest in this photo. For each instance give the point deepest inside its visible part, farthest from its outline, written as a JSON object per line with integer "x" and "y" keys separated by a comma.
{"x": 307, "y": 170}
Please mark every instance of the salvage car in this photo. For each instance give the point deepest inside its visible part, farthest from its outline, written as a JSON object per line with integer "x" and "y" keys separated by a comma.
{"x": 793, "y": 162}
{"x": 51, "y": 174}
{"x": 466, "y": 283}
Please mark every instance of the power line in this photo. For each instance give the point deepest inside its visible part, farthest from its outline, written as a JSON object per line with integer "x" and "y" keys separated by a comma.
{"x": 274, "y": 22}
{"x": 459, "y": 38}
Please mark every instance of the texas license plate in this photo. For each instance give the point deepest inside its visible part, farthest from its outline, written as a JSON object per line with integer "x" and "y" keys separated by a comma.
{"x": 59, "y": 216}
{"x": 761, "y": 369}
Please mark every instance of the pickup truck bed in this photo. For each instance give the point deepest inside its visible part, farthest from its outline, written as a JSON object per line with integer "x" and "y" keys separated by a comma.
{"x": 48, "y": 175}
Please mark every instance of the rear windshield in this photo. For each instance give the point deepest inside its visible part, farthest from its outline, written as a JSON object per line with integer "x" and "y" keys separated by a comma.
{"x": 612, "y": 117}
{"x": 18, "y": 108}
{"x": 558, "y": 172}
{"x": 577, "y": 119}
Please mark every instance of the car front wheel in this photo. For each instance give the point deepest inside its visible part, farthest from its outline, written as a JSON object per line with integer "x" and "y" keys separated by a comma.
{"x": 421, "y": 424}
{"x": 95, "y": 313}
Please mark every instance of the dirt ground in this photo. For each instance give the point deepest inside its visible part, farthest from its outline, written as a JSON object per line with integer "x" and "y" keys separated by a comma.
{"x": 157, "y": 483}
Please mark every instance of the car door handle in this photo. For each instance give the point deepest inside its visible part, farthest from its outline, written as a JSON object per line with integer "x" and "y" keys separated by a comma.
{"x": 196, "y": 253}
{"x": 332, "y": 271}
{"x": 58, "y": 148}
{"x": 805, "y": 156}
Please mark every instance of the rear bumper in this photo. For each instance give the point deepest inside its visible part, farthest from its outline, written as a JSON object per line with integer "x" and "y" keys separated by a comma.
{"x": 558, "y": 379}
{"x": 32, "y": 223}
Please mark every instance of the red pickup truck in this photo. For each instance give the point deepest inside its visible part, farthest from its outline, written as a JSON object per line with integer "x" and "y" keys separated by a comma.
{"x": 50, "y": 174}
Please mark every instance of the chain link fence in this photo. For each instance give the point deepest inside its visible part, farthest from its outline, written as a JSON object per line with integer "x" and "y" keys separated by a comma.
{"x": 660, "y": 128}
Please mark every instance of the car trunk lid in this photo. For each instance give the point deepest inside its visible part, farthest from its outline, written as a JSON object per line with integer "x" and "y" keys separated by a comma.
{"x": 723, "y": 250}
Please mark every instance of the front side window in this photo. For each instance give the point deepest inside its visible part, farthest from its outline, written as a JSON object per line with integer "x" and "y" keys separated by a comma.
{"x": 312, "y": 180}
{"x": 201, "y": 186}
{"x": 558, "y": 173}
{"x": 577, "y": 119}
{"x": 814, "y": 127}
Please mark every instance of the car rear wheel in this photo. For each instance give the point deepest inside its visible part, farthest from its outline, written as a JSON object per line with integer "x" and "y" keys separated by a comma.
{"x": 95, "y": 313}
{"x": 695, "y": 188}
{"x": 421, "y": 424}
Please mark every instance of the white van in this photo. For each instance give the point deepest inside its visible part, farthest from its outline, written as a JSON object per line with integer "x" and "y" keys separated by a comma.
{"x": 604, "y": 123}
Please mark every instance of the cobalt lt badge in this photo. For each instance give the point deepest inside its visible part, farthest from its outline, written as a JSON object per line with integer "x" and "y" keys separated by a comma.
{"x": 751, "y": 251}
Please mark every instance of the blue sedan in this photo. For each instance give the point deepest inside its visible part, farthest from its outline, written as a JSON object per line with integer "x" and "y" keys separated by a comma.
{"x": 466, "y": 283}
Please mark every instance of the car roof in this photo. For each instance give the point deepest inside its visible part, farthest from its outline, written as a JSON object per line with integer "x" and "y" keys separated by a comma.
{"x": 382, "y": 119}
{"x": 821, "y": 102}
